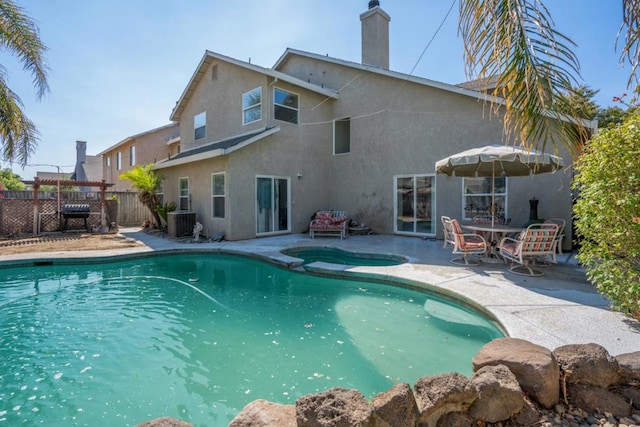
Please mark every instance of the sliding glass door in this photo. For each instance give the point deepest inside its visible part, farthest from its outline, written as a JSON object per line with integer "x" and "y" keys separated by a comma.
{"x": 272, "y": 205}
{"x": 415, "y": 204}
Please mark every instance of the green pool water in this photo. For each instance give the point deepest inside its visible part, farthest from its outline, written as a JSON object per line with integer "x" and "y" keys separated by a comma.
{"x": 199, "y": 336}
{"x": 339, "y": 256}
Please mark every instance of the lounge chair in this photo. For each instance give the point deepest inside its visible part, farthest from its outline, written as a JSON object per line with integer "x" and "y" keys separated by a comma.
{"x": 448, "y": 239}
{"x": 465, "y": 244}
{"x": 329, "y": 223}
{"x": 560, "y": 236}
{"x": 537, "y": 242}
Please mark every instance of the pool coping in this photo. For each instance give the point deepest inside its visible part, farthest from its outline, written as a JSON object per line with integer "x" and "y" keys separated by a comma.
{"x": 550, "y": 311}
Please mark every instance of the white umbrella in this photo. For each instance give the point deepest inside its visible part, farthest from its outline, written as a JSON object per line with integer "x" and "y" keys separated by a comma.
{"x": 498, "y": 160}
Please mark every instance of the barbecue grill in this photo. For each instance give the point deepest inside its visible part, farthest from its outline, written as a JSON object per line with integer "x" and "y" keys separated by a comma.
{"x": 75, "y": 210}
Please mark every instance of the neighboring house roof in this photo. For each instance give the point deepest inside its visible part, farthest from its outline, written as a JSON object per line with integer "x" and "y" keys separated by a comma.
{"x": 216, "y": 149}
{"x": 209, "y": 57}
{"x": 141, "y": 134}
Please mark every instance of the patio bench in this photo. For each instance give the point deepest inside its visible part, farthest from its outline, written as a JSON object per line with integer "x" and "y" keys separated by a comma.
{"x": 329, "y": 223}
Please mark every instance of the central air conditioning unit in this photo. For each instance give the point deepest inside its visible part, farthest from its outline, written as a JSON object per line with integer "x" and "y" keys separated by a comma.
{"x": 180, "y": 223}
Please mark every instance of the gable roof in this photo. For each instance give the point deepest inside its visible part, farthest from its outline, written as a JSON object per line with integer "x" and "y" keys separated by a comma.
{"x": 138, "y": 135}
{"x": 459, "y": 89}
{"x": 209, "y": 57}
{"x": 217, "y": 148}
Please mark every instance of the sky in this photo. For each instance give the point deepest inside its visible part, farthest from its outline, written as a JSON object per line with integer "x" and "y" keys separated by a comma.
{"x": 117, "y": 68}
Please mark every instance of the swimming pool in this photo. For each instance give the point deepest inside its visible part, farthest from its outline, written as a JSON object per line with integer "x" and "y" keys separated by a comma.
{"x": 339, "y": 256}
{"x": 199, "y": 336}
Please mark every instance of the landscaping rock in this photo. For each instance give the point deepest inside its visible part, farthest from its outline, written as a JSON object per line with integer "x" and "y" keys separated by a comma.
{"x": 396, "y": 407}
{"x": 453, "y": 419}
{"x": 528, "y": 416}
{"x": 499, "y": 394}
{"x": 337, "y": 407}
{"x": 534, "y": 366}
{"x": 587, "y": 364}
{"x": 165, "y": 422}
{"x": 632, "y": 394}
{"x": 593, "y": 399}
{"x": 262, "y": 413}
{"x": 629, "y": 364}
{"x": 439, "y": 395}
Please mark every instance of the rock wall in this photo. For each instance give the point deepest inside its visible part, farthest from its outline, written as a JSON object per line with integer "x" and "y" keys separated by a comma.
{"x": 515, "y": 383}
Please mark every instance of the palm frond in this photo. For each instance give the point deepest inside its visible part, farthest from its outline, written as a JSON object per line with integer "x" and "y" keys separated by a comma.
{"x": 631, "y": 29}
{"x": 515, "y": 40}
{"x": 18, "y": 134}
{"x": 19, "y": 35}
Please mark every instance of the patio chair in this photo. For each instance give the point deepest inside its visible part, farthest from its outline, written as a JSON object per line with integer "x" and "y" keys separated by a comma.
{"x": 448, "y": 238}
{"x": 465, "y": 244}
{"x": 560, "y": 236}
{"x": 536, "y": 242}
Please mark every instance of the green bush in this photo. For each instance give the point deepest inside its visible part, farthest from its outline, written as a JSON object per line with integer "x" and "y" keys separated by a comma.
{"x": 608, "y": 213}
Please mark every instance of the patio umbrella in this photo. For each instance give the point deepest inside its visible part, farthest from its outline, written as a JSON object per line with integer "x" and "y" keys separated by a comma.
{"x": 498, "y": 160}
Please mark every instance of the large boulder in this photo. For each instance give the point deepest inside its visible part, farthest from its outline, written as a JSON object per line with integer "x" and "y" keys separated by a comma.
{"x": 534, "y": 366}
{"x": 336, "y": 407}
{"x": 629, "y": 364}
{"x": 594, "y": 399}
{"x": 262, "y": 413}
{"x": 165, "y": 422}
{"x": 439, "y": 395}
{"x": 631, "y": 393}
{"x": 499, "y": 394}
{"x": 587, "y": 364}
{"x": 396, "y": 407}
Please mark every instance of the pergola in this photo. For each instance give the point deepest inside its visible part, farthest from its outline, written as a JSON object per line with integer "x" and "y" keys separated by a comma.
{"x": 37, "y": 183}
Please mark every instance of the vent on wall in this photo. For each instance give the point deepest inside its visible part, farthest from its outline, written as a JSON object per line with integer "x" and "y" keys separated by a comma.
{"x": 180, "y": 223}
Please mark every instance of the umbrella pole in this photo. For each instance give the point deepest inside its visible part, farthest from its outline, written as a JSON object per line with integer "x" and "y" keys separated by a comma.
{"x": 493, "y": 193}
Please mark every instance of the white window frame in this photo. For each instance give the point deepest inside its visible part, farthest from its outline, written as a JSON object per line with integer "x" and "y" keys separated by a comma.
{"x": 118, "y": 160}
{"x": 160, "y": 192}
{"x": 273, "y": 231}
{"x": 201, "y": 120}
{"x": 216, "y": 196}
{"x": 183, "y": 194}
{"x": 432, "y": 212}
{"x": 276, "y": 105}
{"x": 132, "y": 155}
{"x": 469, "y": 215}
{"x": 247, "y": 97}
{"x": 335, "y": 133}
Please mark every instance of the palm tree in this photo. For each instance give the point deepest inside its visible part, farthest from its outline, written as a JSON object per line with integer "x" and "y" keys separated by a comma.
{"x": 147, "y": 182}
{"x": 514, "y": 41}
{"x": 19, "y": 36}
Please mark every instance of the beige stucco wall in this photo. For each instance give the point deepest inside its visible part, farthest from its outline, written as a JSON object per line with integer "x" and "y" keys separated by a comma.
{"x": 402, "y": 128}
{"x": 150, "y": 146}
{"x": 295, "y": 149}
{"x": 398, "y": 127}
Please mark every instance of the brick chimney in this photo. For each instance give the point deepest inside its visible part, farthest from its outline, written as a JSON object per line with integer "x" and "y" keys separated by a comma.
{"x": 375, "y": 36}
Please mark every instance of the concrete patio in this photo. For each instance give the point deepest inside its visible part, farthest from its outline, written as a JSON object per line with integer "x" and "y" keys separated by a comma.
{"x": 558, "y": 308}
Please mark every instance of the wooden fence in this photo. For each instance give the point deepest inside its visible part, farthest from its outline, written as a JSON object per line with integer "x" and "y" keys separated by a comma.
{"x": 17, "y": 210}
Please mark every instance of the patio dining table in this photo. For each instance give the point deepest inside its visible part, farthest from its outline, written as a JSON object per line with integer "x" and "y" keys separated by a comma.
{"x": 493, "y": 234}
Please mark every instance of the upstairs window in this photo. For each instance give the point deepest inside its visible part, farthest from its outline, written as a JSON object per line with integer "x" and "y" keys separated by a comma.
{"x": 285, "y": 106}
{"x": 108, "y": 161}
{"x": 118, "y": 160}
{"x": 252, "y": 106}
{"x": 342, "y": 136}
{"x": 132, "y": 155}
{"x": 200, "y": 125}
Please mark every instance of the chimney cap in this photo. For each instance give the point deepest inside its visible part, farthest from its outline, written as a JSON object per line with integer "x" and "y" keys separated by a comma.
{"x": 373, "y": 3}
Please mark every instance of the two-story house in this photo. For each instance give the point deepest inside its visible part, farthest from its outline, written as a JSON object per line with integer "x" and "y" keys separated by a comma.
{"x": 141, "y": 149}
{"x": 265, "y": 148}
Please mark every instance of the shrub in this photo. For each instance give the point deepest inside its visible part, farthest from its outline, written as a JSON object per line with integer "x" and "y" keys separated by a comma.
{"x": 608, "y": 213}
